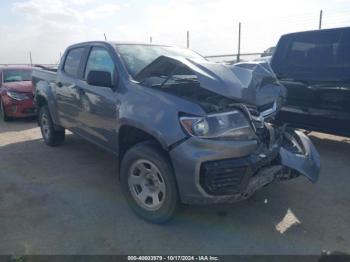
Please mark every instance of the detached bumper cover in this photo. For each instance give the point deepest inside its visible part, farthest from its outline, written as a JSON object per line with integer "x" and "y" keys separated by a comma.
{"x": 307, "y": 164}
{"x": 209, "y": 171}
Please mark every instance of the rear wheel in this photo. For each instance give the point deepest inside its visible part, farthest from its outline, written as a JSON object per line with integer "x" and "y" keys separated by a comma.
{"x": 4, "y": 117}
{"x": 51, "y": 136}
{"x": 149, "y": 184}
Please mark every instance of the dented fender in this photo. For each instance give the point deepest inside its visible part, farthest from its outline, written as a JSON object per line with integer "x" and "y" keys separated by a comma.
{"x": 306, "y": 163}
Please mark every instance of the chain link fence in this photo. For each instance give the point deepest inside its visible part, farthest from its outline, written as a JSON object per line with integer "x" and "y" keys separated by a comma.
{"x": 234, "y": 58}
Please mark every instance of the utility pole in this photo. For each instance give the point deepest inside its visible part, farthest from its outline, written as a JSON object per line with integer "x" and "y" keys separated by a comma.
{"x": 30, "y": 58}
{"x": 105, "y": 36}
{"x": 188, "y": 39}
{"x": 320, "y": 22}
{"x": 239, "y": 42}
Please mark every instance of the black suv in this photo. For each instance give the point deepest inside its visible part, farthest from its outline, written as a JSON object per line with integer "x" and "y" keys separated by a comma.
{"x": 314, "y": 66}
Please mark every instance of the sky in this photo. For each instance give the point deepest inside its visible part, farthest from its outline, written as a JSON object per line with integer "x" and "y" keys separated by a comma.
{"x": 46, "y": 27}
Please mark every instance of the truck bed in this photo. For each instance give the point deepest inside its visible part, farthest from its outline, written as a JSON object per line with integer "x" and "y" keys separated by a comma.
{"x": 47, "y": 75}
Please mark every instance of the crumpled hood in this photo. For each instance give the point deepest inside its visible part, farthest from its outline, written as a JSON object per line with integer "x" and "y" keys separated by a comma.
{"x": 252, "y": 83}
{"x": 21, "y": 86}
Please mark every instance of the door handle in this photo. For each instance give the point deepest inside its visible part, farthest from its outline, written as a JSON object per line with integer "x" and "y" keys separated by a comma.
{"x": 80, "y": 91}
{"x": 59, "y": 84}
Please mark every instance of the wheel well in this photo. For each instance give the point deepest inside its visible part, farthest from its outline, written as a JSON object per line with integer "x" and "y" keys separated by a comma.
{"x": 40, "y": 101}
{"x": 130, "y": 136}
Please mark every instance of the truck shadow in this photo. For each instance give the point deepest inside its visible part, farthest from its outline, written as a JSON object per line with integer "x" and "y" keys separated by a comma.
{"x": 74, "y": 189}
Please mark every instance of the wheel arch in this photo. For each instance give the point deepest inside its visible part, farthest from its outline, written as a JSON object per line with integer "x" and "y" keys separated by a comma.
{"x": 130, "y": 135}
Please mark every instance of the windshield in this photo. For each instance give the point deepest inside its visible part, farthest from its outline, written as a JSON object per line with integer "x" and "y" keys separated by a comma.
{"x": 137, "y": 57}
{"x": 17, "y": 75}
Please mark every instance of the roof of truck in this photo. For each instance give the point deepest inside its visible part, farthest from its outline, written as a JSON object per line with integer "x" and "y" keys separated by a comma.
{"x": 322, "y": 30}
{"x": 114, "y": 43}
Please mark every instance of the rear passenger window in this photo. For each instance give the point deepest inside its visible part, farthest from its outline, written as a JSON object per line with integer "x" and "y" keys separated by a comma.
{"x": 71, "y": 65}
{"x": 99, "y": 60}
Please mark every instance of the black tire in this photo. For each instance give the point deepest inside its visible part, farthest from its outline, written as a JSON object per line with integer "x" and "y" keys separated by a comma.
{"x": 3, "y": 115}
{"x": 51, "y": 136}
{"x": 149, "y": 152}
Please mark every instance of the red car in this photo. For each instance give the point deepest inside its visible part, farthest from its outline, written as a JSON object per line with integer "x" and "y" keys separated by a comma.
{"x": 16, "y": 93}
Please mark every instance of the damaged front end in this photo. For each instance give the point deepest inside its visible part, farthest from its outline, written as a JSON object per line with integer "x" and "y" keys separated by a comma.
{"x": 240, "y": 103}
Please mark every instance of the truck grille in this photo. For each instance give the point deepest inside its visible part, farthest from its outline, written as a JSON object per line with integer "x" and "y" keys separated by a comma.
{"x": 231, "y": 176}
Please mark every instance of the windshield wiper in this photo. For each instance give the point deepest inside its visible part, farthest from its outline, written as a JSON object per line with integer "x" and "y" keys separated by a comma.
{"x": 179, "y": 79}
{"x": 154, "y": 75}
{"x": 304, "y": 82}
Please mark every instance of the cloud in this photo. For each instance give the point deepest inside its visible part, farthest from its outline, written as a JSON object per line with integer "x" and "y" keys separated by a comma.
{"x": 102, "y": 11}
{"x": 47, "y": 10}
{"x": 46, "y": 27}
{"x": 64, "y": 11}
{"x": 50, "y": 26}
{"x": 82, "y": 2}
{"x": 213, "y": 25}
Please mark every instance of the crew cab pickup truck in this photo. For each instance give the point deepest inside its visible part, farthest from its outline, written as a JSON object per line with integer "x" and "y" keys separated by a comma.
{"x": 184, "y": 130}
{"x": 314, "y": 66}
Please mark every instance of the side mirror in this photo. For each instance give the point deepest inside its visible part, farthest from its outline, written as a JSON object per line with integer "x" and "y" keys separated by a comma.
{"x": 99, "y": 78}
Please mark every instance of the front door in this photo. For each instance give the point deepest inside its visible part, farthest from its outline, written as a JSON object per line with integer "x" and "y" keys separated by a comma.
{"x": 98, "y": 104}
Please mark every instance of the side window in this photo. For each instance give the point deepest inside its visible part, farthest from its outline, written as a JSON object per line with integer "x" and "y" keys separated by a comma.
{"x": 99, "y": 60}
{"x": 71, "y": 65}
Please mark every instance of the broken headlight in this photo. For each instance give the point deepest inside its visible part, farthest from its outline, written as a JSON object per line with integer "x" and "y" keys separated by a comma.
{"x": 230, "y": 125}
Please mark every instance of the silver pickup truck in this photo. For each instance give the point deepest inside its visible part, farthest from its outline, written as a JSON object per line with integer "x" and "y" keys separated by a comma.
{"x": 183, "y": 129}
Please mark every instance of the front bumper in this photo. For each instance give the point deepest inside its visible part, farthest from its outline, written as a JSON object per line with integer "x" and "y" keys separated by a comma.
{"x": 19, "y": 109}
{"x": 210, "y": 171}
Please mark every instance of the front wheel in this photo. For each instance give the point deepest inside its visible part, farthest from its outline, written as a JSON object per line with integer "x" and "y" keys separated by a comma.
{"x": 149, "y": 184}
{"x": 51, "y": 136}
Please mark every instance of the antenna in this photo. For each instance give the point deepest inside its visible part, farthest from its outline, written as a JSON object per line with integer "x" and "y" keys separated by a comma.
{"x": 239, "y": 43}
{"x": 105, "y": 36}
{"x": 320, "y": 21}
{"x": 30, "y": 58}
{"x": 188, "y": 39}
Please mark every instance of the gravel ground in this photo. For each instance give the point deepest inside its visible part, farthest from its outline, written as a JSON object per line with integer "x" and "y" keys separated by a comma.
{"x": 67, "y": 200}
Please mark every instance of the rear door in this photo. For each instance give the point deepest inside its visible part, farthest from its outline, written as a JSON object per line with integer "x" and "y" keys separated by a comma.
{"x": 66, "y": 88}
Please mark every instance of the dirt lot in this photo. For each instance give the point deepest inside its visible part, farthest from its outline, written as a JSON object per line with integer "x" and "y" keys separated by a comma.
{"x": 67, "y": 200}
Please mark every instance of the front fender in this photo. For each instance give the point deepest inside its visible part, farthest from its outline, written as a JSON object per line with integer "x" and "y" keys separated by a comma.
{"x": 306, "y": 163}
